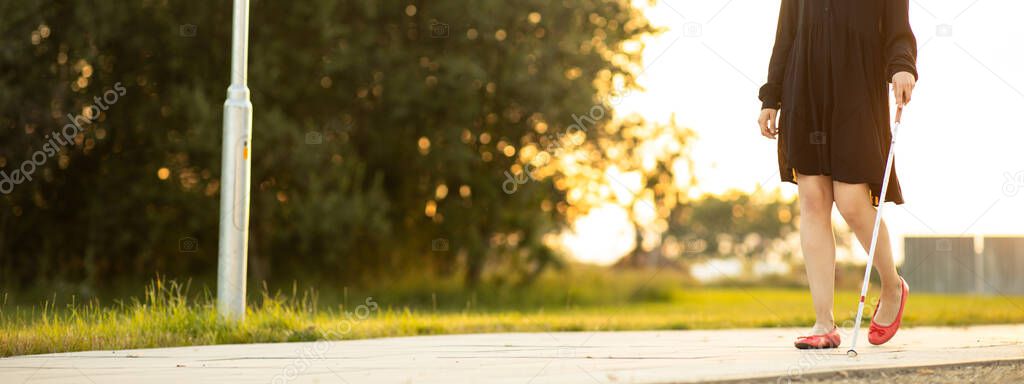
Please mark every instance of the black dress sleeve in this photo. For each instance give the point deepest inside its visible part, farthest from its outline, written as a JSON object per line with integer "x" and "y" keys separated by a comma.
{"x": 771, "y": 92}
{"x": 900, "y": 43}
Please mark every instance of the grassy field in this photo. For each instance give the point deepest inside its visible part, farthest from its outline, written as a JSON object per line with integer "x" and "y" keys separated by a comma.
{"x": 167, "y": 315}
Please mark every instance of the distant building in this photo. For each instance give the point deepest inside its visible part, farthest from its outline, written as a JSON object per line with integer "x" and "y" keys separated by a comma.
{"x": 954, "y": 265}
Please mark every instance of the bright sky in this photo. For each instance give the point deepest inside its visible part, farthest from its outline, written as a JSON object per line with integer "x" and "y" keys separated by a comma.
{"x": 960, "y": 151}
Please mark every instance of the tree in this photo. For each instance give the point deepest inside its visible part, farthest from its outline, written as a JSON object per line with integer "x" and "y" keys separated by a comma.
{"x": 383, "y": 131}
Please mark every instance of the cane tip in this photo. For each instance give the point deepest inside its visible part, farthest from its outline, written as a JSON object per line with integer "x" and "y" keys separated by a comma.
{"x": 851, "y": 353}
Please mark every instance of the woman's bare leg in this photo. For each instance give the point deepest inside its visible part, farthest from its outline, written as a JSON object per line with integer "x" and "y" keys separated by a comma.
{"x": 818, "y": 246}
{"x": 853, "y": 201}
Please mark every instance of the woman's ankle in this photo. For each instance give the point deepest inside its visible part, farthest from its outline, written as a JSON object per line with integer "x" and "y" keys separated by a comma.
{"x": 823, "y": 327}
{"x": 892, "y": 284}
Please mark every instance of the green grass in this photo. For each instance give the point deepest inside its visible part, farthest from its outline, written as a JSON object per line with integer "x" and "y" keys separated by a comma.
{"x": 167, "y": 315}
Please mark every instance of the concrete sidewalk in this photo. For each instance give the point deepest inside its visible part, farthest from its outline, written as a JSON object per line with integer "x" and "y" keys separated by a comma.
{"x": 576, "y": 357}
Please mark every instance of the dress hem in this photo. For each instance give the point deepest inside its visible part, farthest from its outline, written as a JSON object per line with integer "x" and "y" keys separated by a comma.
{"x": 898, "y": 199}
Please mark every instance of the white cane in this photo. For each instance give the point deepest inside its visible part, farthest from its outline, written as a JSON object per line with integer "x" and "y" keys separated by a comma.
{"x": 874, "y": 235}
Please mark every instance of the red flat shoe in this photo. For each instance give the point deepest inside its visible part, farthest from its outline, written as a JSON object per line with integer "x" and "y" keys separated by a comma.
{"x": 828, "y": 340}
{"x": 879, "y": 334}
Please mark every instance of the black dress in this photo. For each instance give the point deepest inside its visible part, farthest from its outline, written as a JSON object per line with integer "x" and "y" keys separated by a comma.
{"x": 829, "y": 75}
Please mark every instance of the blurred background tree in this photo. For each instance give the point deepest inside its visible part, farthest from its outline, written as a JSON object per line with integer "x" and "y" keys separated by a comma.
{"x": 382, "y": 134}
{"x": 734, "y": 224}
{"x": 452, "y": 140}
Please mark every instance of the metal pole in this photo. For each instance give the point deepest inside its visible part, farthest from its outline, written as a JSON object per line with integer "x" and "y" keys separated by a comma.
{"x": 235, "y": 168}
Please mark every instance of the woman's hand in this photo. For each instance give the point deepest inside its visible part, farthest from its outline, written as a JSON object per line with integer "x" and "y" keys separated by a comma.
{"x": 769, "y": 123}
{"x": 902, "y": 87}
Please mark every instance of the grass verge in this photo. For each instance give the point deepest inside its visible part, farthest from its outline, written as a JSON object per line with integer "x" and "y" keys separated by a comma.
{"x": 168, "y": 316}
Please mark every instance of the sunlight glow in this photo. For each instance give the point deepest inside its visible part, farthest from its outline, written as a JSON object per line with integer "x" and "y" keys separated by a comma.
{"x": 950, "y": 146}
{"x": 601, "y": 237}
